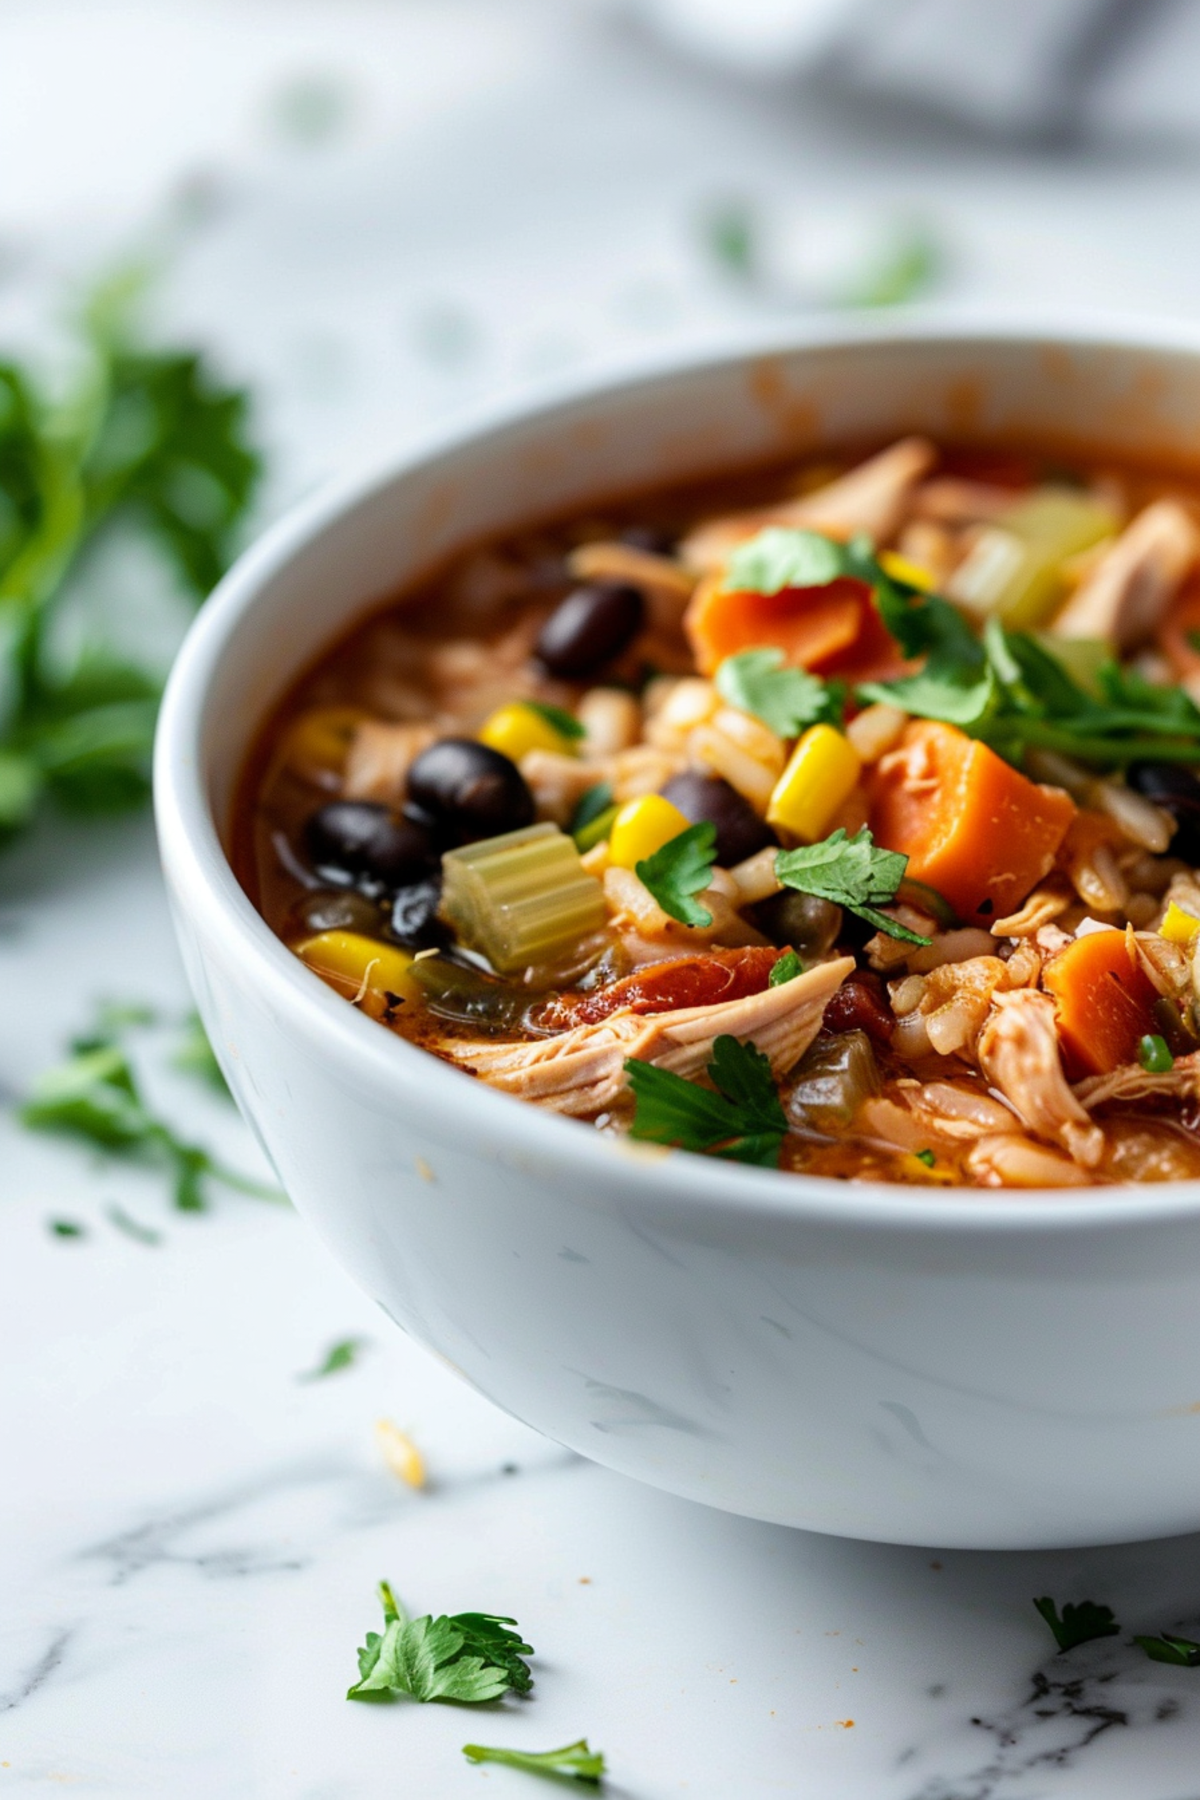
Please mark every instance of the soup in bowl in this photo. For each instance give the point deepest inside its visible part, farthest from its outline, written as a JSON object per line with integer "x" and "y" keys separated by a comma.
{"x": 696, "y": 888}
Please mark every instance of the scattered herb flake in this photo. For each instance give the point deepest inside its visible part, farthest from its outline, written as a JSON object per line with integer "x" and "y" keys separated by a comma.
{"x": 852, "y": 872}
{"x": 558, "y": 719}
{"x": 1078, "y": 1624}
{"x": 575, "y": 1761}
{"x": 94, "y": 1096}
{"x": 785, "y": 968}
{"x": 1154, "y": 1055}
{"x": 787, "y": 699}
{"x": 1165, "y": 1648}
{"x": 66, "y": 1228}
{"x": 925, "y": 1156}
{"x": 680, "y": 870}
{"x": 742, "y": 1121}
{"x": 907, "y": 268}
{"x": 132, "y": 1228}
{"x": 469, "y": 1657}
{"x": 342, "y": 1355}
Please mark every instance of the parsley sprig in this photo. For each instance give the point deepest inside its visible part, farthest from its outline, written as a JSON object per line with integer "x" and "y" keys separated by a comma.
{"x": 852, "y": 872}
{"x": 681, "y": 869}
{"x": 577, "y": 1761}
{"x": 787, "y": 699}
{"x": 1077, "y": 1624}
{"x": 742, "y": 1120}
{"x": 467, "y": 1657}
{"x": 144, "y": 441}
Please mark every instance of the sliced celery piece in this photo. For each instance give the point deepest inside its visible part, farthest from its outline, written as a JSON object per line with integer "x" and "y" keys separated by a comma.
{"x": 1014, "y": 570}
{"x": 522, "y": 898}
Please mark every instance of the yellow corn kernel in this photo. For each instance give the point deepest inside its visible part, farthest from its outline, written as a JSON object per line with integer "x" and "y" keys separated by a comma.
{"x": 400, "y": 1453}
{"x": 1178, "y": 927}
{"x": 820, "y": 777}
{"x": 900, "y": 569}
{"x": 517, "y": 729}
{"x": 642, "y": 827}
{"x": 362, "y": 969}
{"x": 317, "y": 744}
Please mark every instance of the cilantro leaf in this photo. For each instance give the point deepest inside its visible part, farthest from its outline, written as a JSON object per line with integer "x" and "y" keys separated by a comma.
{"x": 787, "y": 699}
{"x": 782, "y": 557}
{"x": 1077, "y": 1624}
{"x": 852, "y": 872}
{"x": 785, "y": 968}
{"x": 742, "y": 1121}
{"x": 470, "y": 1658}
{"x": 342, "y": 1355}
{"x": 575, "y": 1761}
{"x": 682, "y": 868}
{"x": 558, "y": 719}
{"x": 94, "y": 1096}
{"x": 1169, "y": 1649}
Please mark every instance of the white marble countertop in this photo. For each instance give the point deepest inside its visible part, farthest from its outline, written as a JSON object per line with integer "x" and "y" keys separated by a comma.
{"x": 189, "y": 1534}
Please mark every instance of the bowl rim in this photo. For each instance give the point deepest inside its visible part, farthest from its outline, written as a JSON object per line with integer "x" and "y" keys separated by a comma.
{"x": 192, "y": 851}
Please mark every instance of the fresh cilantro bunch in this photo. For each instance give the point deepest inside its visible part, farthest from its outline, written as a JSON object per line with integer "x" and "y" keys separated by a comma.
{"x": 469, "y": 1657}
{"x": 742, "y": 1120}
{"x": 142, "y": 440}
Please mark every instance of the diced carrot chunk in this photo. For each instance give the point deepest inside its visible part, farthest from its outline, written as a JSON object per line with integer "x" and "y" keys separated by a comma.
{"x": 1105, "y": 1002}
{"x": 971, "y": 826}
{"x": 810, "y": 625}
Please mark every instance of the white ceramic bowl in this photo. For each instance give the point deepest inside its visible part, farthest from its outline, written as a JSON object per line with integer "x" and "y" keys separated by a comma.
{"x": 936, "y": 1367}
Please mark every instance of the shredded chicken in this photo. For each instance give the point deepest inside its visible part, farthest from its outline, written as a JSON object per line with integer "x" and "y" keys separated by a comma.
{"x": 950, "y": 500}
{"x": 666, "y": 584}
{"x": 1012, "y": 1161}
{"x": 915, "y": 1112}
{"x": 583, "y": 1070}
{"x": 1132, "y": 586}
{"x": 1018, "y": 1052}
{"x": 1132, "y": 1082}
{"x": 1046, "y": 903}
{"x": 874, "y": 498}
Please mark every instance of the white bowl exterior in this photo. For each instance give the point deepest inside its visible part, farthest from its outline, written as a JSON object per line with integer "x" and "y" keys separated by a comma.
{"x": 986, "y": 1371}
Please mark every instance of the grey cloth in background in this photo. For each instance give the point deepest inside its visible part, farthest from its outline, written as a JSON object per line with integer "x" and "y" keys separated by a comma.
{"x": 1020, "y": 68}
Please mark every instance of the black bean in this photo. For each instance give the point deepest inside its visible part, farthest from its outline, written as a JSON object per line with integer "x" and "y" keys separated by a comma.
{"x": 810, "y": 926}
{"x": 1177, "y": 791}
{"x": 415, "y": 922}
{"x": 740, "y": 831}
{"x": 591, "y": 626}
{"x": 361, "y": 841}
{"x": 462, "y": 790}
{"x": 338, "y": 909}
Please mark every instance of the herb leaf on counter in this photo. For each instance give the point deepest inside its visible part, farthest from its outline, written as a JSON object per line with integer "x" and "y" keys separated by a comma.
{"x": 852, "y": 872}
{"x": 680, "y": 870}
{"x": 1165, "y": 1648}
{"x": 342, "y": 1355}
{"x": 576, "y": 1761}
{"x": 742, "y": 1121}
{"x": 785, "y": 698}
{"x": 94, "y": 1096}
{"x": 1077, "y": 1624}
{"x": 468, "y": 1657}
